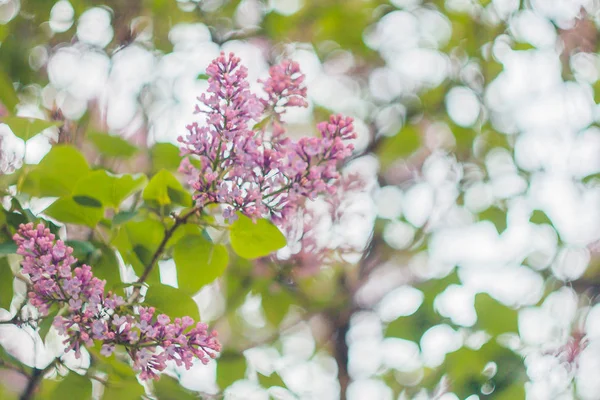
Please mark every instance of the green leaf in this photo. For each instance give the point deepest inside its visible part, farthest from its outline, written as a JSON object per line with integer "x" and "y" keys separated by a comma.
{"x": 171, "y": 301}
{"x": 6, "y": 283}
{"x": 231, "y": 367}
{"x": 539, "y": 217}
{"x": 81, "y": 249}
{"x": 45, "y": 324}
{"x": 137, "y": 241}
{"x": 164, "y": 189}
{"x": 105, "y": 265}
{"x": 26, "y": 128}
{"x": 276, "y": 302}
{"x": 168, "y": 388}
{"x": 254, "y": 240}
{"x": 87, "y": 201}
{"x": 74, "y": 386}
{"x": 112, "y": 146}
{"x": 495, "y": 216}
{"x": 67, "y": 210}
{"x": 57, "y": 173}
{"x": 403, "y": 144}
{"x": 109, "y": 190}
{"x": 165, "y": 156}
{"x": 8, "y": 248}
{"x": 494, "y": 317}
{"x": 8, "y": 96}
{"x": 199, "y": 262}
{"x": 123, "y": 217}
{"x": 126, "y": 389}
{"x": 268, "y": 381}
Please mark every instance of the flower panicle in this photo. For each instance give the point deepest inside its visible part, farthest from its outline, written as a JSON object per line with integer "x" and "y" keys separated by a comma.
{"x": 243, "y": 171}
{"x": 94, "y": 315}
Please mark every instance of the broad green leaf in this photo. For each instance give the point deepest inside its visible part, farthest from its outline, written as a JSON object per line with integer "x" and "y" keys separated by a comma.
{"x": 515, "y": 391}
{"x": 539, "y": 217}
{"x": 231, "y": 367}
{"x": 167, "y": 388}
{"x": 87, "y": 201}
{"x": 401, "y": 145}
{"x": 26, "y": 128}
{"x": 74, "y": 386}
{"x": 67, "y": 210}
{"x": 111, "y": 145}
{"x": 199, "y": 262}
{"x": 81, "y": 249}
{"x": 276, "y": 303}
{"x": 8, "y": 248}
{"x": 6, "y": 283}
{"x": 45, "y": 325}
{"x": 57, "y": 173}
{"x": 108, "y": 189}
{"x": 105, "y": 265}
{"x": 164, "y": 189}
{"x": 137, "y": 241}
{"x": 127, "y": 389}
{"x": 165, "y": 156}
{"x": 123, "y": 217}
{"x": 254, "y": 240}
{"x": 494, "y": 317}
{"x": 271, "y": 380}
{"x": 171, "y": 301}
{"x": 8, "y": 96}
{"x": 495, "y": 216}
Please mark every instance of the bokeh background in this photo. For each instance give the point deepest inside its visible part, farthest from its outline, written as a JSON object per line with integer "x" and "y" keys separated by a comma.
{"x": 466, "y": 265}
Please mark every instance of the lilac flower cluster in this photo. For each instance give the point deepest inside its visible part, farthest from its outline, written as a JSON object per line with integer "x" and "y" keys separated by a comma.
{"x": 245, "y": 169}
{"x": 91, "y": 314}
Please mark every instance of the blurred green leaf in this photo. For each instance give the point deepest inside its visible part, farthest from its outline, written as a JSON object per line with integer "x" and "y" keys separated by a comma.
{"x": 493, "y": 316}
{"x": 167, "y": 388}
{"x": 495, "y": 216}
{"x": 81, "y": 249}
{"x": 105, "y": 265}
{"x": 8, "y": 96}
{"x": 26, "y": 128}
{"x": 254, "y": 240}
{"x": 231, "y": 367}
{"x": 74, "y": 386}
{"x": 199, "y": 262}
{"x": 8, "y": 248}
{"x": 164, "y": 189}
{"x": 539, "y": 217}
{"x": 171, "y": 301}
{"x": 6, "y": 283}
{"x": 137, "y": 241}
{"x": 109, "y": 189}
{"x": 112, "y": 146}
{"x": 268, "y": 381}
{"x": 57, "y": 173}
{"x": 403, "y": 144}
{"x": 87, "y": 201}
{"x": 165, "y": 156}
{"x": 125, "y": 389}
{"x": 276, "y": 302}
{"x": 123, "y": 217}
{"x": 67, "y": 210}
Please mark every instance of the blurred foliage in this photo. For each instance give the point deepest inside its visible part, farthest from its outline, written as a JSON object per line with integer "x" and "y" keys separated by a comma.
{"x": 113, "y": 193}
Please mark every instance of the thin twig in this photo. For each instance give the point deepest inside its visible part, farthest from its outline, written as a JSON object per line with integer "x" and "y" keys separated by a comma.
{"x": 179, "y": 220}
{"x": 36, "y": 377}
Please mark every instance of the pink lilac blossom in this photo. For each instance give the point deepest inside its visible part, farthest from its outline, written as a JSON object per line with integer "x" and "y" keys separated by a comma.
{"x": 93, "y": 315}
{"x": 243, "y": 170}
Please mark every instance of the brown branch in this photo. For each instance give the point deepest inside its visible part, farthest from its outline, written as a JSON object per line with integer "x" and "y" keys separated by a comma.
{"x": 179, "y": 220}
{"x": 36, "y": 377}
